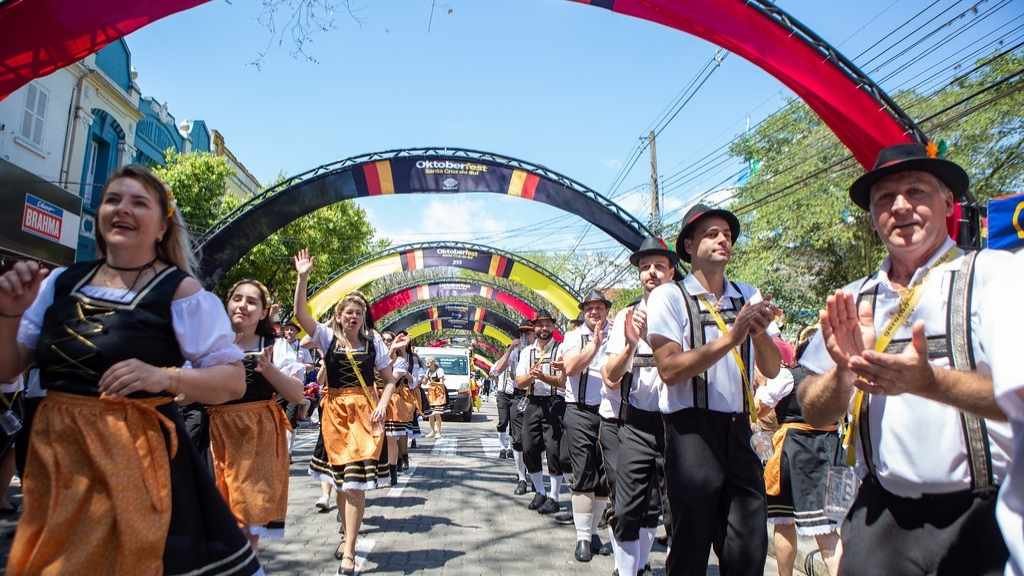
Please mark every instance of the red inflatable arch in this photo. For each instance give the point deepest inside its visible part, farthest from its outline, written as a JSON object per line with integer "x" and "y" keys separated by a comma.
{"x": 41, "y": 36}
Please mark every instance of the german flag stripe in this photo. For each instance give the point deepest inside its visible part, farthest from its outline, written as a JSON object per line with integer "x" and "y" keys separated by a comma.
{"x": 378, "y": 178}
{"x": 499, "y": 266}
{"x": 478, "y": 327}
{"x": 487, "y": 292}
{"x": 530, "y": 186}
{"x": 423, "y": 292}
{"x": 516, "y": 183}
{"x": 478, "y": 315}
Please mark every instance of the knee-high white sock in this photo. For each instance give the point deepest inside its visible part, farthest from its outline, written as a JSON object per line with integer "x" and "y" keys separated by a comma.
{"x": 600, "y": 504}
{"x": 517, "y": 456}
{"x": 556, "y": 486}
{"x": 538, "y": 482}
{"x": 616, "y": 549}
{"x": 626, "y": 557}
{"x": 503, "y": 440}
{"x": 582, "y": 514}
{"x": 646, "y": 543}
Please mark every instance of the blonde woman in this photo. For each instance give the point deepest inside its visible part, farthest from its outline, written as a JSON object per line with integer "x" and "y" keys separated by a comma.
{"x": 249, "y": 436}
{"x": 112, "y": 483}
{"x": 437, "y": 396}
{"x": 352, "y": 424}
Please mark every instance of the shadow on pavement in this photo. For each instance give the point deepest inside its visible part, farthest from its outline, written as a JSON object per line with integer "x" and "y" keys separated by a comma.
{"x": 410, "y": 562}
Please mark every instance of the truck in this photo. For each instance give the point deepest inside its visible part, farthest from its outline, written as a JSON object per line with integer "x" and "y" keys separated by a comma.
{"x": 456, "y": 363}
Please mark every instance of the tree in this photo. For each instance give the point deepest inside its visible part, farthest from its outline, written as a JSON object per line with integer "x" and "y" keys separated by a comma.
{"x": 199, "y": 183}
{"x": 802, "y": 237}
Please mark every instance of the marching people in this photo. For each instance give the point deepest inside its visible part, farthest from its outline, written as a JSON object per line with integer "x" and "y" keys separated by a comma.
{"x": 249, "y": 436}
{"x": 352, "y": 423}
{"x": 437, "y": 397}
{"x": 632, "y": 434}
{"x": 707, "y": 333}
{"x": 795, "y": 475}
{"x": 112, "y": 483}
{"x": 581, "y": 356}
{"x": 542, "y": 420}
{"x": 902, "y": 351}
{"x": 408, "y": 371}
{"x": 511, "y": 405}
{"x": 289, "y": 348}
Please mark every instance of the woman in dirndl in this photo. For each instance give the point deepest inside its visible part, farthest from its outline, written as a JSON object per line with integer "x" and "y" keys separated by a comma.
{"x": 795, "y": 474}
{"x": 398, "y": 420}
{"x": 437, "y": 397}
{"x": 112, "y": 483}
{"x": 352, "y": 425}
{"x": 249, "y": 436}
{"x": 408, "y": 370}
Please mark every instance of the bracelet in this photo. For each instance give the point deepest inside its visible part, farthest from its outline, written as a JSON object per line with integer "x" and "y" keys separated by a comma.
{"x": 175, "y": 380}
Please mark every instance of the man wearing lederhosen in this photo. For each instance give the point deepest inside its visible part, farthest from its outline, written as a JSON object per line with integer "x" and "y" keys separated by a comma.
{"x": 634, "y": 451}
{"x": 510, "y": 418}
{"x": 707, "y": 332}
{"x": 542, "y": 422}
{"x": 581, "y": 356}
{"x": 904, "y": 352}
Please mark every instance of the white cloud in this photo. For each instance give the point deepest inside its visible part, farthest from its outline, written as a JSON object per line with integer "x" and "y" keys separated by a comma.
{"x": 449, "y": 218}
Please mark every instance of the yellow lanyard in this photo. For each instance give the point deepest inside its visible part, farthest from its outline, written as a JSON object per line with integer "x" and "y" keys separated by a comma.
{"x": 355, "y": 368}
{"x": 908, "y": 303}
{"x": 723, "y": 328}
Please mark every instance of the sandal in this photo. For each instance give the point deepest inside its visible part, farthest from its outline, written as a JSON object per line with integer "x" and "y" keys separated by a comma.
{"x": 348, "y": 571}
{"x": 339, "y": 553}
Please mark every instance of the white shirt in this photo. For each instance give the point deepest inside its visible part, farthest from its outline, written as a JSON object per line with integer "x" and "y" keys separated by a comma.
{"x": 200, "y": 323}
{"x": 573, "y": 343}
{"x": 1003, "y": 342}
{"x": 775, "y": 389}
{"x": 667, "y": 317}
{"x": 530, "y": 356}
{"x": 646, "y": 390}
{"x": 508, "y": 376}
{"x": 291, "y": 358}
{"x": 401, "y": 368}
{"x": 918, "y": 444}
{"x": 324, "y": 335}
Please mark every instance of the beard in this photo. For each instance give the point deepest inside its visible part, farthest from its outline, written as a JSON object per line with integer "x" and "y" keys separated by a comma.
{"x": 544, "y": 334}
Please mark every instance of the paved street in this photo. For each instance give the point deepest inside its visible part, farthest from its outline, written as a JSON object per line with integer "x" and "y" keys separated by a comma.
{"x": 454, "y": 515}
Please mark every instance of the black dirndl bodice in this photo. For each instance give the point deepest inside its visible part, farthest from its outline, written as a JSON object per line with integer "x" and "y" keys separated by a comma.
{"x": 83, "y": 336}
{"x": 788, "y": 409}
{"x": 340, "y": 373}
{"x": 257, "y": 387}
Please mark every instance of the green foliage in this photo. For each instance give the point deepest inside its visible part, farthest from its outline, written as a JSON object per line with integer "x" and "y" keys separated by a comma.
{"x": 803, "y": 238}
{"x": 199, "y": 183}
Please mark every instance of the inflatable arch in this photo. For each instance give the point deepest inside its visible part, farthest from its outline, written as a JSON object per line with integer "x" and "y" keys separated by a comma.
{"x": 405, "y": 295}
{"x": 452, "y": 313}
{"x": 464, "y": 255}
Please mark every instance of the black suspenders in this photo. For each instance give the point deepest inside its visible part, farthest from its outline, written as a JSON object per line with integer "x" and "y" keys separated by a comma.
{"x": 958, "y": 347}
{"x": 581, "y": 397}
{"x": 698, "y": 320}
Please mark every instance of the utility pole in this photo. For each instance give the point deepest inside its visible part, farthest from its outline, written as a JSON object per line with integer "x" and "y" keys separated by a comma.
{"x": 655, "y": 204}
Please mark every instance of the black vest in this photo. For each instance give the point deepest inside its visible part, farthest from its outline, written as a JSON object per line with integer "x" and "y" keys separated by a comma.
{"x": 83, "y": 336}
{"x": 340, "y": 373}
{"x": 788, "y": 409}
{"x": 257, "y": 387}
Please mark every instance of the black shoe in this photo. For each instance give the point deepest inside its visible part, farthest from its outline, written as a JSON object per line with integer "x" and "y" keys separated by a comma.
{"x": 537, "y": 502}
{"x": 583, "y": 553}
{"x": 530, "y": 488}
{"x": 598, "y": 547}
{"x": 412, "y": 443}
{"x": 520, "y": 488}
{"x": 646, "y": 571}
{"x": 549, "y": 506}
{"x": 564, "y": 517}
{"x": 661, "y": 540}
{"x": 394, "y": 477}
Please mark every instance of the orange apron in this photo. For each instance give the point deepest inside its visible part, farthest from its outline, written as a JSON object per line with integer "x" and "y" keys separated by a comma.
{"x": 250, "y": 460}
{"x": 97, "y": 488}
{"x": 399, "y": 407}
{"x": 437, "y": 397}
{"x": 349, "y": 436}
{"x": 773, "y": 467}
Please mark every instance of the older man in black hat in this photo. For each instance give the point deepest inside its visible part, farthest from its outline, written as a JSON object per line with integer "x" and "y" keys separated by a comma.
{"x": 542, "y": 421}
{"x": 903, "y": 351}
{"x": 707, "y": 332}
{"x": 632, "y": 434}
{"x": 581, "y": 356}
{"x": 510, "y": 418}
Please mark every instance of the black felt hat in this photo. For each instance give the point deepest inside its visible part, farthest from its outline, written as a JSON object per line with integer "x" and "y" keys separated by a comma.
{"x": 595, "y": 296}
{"x": 904, "y": 158}
{"x": 697, "y": 213}
{"x": 526, "y": 326}
{"x": 653, "y": 246}
{"x": 543, "y": 315}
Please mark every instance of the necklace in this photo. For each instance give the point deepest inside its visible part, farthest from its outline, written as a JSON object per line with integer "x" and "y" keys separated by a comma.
{"x": 129, "y": 269}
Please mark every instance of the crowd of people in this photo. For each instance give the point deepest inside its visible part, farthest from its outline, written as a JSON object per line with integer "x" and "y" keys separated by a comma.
{"x": 151, "y": 422}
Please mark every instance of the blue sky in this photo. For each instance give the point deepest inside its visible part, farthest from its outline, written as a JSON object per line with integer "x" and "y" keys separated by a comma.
{"x": 561, "y": 84}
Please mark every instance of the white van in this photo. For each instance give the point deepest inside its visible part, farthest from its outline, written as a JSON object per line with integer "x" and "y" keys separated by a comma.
{"x": 456, "y": 363}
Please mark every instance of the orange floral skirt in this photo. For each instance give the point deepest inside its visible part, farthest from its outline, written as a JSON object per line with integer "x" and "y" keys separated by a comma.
{"x": 350, "y": 446}
{"x": 249, "y": 444}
